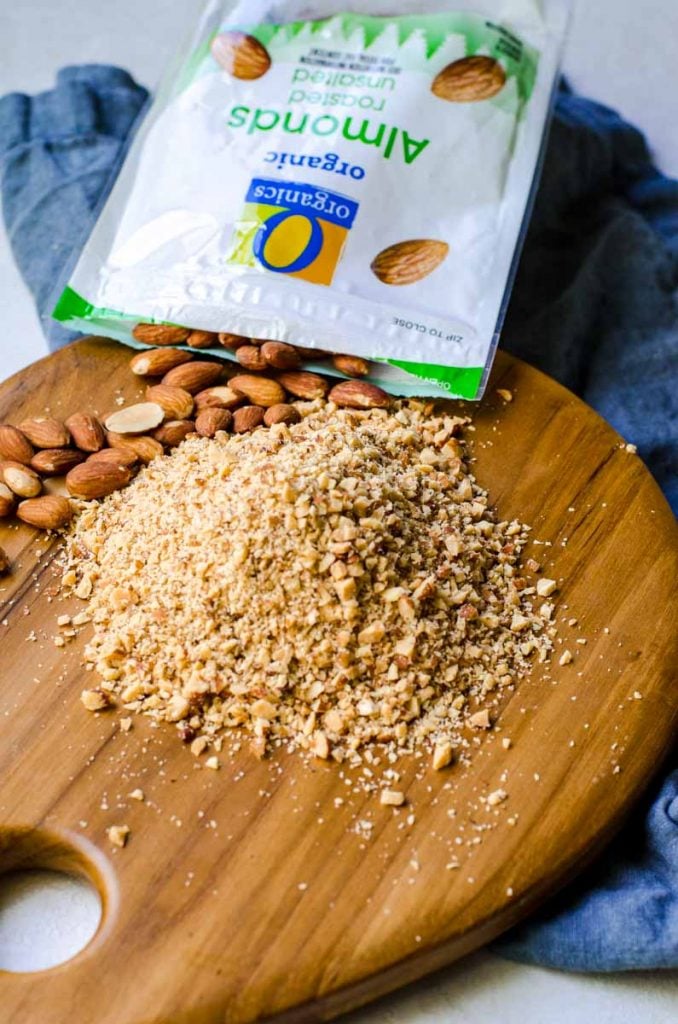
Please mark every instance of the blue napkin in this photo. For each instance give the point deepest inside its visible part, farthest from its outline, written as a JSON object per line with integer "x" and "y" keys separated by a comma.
{"x": 595, "y": 305}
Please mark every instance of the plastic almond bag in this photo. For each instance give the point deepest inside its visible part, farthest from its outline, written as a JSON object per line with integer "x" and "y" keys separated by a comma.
{"x": 347, "y": 177}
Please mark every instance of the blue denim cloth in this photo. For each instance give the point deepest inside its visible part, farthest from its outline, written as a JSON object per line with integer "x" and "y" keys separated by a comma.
{"x": 595, "y": 304}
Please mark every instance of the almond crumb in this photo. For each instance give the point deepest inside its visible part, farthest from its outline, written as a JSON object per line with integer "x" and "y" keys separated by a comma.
{"x": 391, "y": 798}
{"x": 442, "y": 755}
{"x": 118, "y": 835}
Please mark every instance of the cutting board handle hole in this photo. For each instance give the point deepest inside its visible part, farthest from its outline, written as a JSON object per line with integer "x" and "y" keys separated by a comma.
{"x": 53, "y": 898}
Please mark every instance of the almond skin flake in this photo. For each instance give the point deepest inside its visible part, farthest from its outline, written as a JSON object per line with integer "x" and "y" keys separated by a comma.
{"x": 329, "y": 585}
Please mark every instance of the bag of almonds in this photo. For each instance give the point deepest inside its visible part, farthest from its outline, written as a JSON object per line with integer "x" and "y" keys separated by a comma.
{"x": 345, "y": 178}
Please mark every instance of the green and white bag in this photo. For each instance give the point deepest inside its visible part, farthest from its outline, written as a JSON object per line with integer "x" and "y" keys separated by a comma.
{"x": 337, "y": 176}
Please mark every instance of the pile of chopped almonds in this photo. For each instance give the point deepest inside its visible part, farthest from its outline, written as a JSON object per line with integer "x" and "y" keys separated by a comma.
{"x": 325, "y": 585}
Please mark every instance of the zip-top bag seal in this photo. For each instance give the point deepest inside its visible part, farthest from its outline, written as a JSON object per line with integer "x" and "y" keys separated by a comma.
{"x": 342, "y": 178}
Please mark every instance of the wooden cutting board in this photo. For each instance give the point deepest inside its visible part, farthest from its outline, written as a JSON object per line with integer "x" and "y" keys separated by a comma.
{"x": 245, "y": 894}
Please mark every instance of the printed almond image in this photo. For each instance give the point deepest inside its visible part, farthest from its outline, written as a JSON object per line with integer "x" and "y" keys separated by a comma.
{"x": 469, "y": 80}
{"x": 407, "y": 262}
{"x": 241, "y": 55}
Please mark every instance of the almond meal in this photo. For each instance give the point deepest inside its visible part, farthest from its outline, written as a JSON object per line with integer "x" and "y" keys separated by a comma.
{"x": 325, "y": 585}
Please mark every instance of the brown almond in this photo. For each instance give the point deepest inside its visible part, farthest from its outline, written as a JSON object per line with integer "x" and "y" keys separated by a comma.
{"x": 160, "y": 334}
{"x": 359, "y": 394}
{"x": 233, "y": 341}
{"x": 194, "y": 377}
{"x": 247, "y": 418}
{"x": 304, "y": 384}
{"x": 202, "y": 339}
{"x": 50, "y": 512}
{"x": 97, "y": 478}
{"x": 158, "y": 361}
{"x": 251, "y": 358}
{"x": 221, "y": 397}
{"x": 210, "y": 420}
{"x": 20, "y": 479}
{"x": 282, "y": 413}
{"x": 144, "y": 448}
{"x": 241, "y": 55}
{"x": 280, "y": 356}
{"x": 410, "y": 261}
{"x": 45, "y": 432}
{"x": 469, "y": 79}
{"x": 4, "y": 562}
{"x": 173, "y": 432}
{"x": 352, "y": 366}
{"x": 176, "y": 402}
{"x": 86, "y": 431}
{"x": 7, "y": 500}
{"x": 14, "y": 445}
{"x": 124, "y": 457}
{"x": 56, "y": 461}
{"x": 135, "y": 419}
{"x": 259, "y": 390}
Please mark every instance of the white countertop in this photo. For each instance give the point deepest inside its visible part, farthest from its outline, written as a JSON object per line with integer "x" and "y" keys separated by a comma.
{"x": 621, "y": 52}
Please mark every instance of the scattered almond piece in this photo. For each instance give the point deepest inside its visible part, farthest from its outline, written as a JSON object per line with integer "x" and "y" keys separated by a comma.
{"x": 118, "y": 835}
{"x": 95, "y": 700}
{"x": 442, "y": 755}
{"x": 391, "y": 798}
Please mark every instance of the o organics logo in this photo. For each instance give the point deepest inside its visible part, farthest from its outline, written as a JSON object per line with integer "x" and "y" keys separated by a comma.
{"x": 298, "y": 230}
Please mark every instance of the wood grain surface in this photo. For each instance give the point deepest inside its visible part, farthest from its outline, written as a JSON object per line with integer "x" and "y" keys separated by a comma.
{"x": 245, "y": 894}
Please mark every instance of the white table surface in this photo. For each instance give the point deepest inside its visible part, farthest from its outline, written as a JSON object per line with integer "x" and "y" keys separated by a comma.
{"x": 621, "y": 52}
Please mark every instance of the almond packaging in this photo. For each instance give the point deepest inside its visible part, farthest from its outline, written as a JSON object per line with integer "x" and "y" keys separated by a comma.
{"x": 343, "y": 177}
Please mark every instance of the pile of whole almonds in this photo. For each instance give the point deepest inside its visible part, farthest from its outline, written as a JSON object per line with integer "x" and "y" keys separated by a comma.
{"x": 44, "y": 461}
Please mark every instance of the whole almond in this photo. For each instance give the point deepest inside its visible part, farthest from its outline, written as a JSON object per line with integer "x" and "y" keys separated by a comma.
{"x": 282, "y": 413}
{"x": 359, "y": 394}
{"x": 221, "y": 397}
{"x": 202, "y": 339}
{"x": 259, "y": 390}
{"x": 158, "y": 361}
{"x": 45, "y": 432}
{"x": 247, "y": 418}
{"x": 96, "y": 478}
{"x": 241, "y": 55}
{"x": 124, "y": 457}
{"x": 407, "y": 262}
{"x": 7, "y": 500}
{"x": 173, "y": 432}
{"x": 4, "y": 562}
{"x": 135, "y": 419}
{"x": 50, "y": 512}
{"x": 304, "y": 384}
{"x": 251, "y": 357}
{"x": 352, "y": 366}
{"x": 144, "y": 448}
{"x": 210, "y": 420}
{"x": 194, "y": 377}
{"x": 280, "y": 356}
{"x": 21, "y": 479}
{"x": 469, "y": 79}
{"x": 56, "y": 461}
{"x": 14, "y": 445}
{"x": 86, "y": 431}
{"x": 176, "y": 402}
{"x": 160, "y": 334}
{"x": 233, "y": 341}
